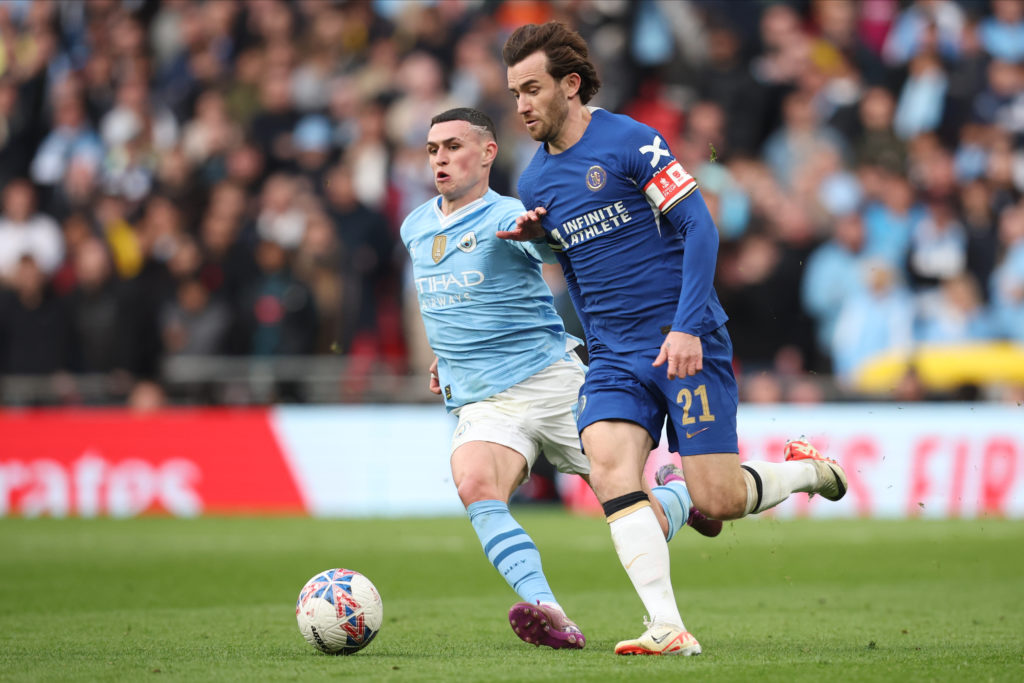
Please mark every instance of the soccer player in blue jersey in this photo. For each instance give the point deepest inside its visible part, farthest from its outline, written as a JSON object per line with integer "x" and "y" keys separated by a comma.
{"x": 501, "y": 363}
{"x": 638, "y": 249}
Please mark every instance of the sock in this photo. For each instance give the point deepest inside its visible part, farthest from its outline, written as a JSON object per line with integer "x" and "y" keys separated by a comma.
{"x": 643, "y": 553}
{"x": 510, "y": 550}
{"x": 675, "y": 501}
{"x": 770, "y": 483}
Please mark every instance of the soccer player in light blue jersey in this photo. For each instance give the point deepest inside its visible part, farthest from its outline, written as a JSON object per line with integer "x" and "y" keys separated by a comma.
{"x": 638, "y": 249}
{"x": 501, "y": 363}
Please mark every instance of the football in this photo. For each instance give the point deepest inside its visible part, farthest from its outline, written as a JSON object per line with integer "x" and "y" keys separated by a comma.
{"x": 339, "y": 611}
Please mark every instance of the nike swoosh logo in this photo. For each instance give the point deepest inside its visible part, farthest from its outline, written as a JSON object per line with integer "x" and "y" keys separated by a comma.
{"x": 690, "y": 436}
{"x": 664, "y": 635}
{"x": 634, "y": 560}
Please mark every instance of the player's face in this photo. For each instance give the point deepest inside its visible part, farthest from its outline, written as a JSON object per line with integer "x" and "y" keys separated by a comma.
{"x": 460, "y": 157}
{"x": 540, "y": 100}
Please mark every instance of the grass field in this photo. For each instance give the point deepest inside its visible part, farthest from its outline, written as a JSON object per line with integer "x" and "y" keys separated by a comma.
{"x": 213, "y": 599}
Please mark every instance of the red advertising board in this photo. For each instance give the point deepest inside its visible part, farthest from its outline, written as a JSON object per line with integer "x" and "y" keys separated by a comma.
{"x": 110, "y": 462}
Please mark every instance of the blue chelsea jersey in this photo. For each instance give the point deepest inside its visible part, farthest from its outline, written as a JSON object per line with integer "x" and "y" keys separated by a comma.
{"x": 608, "y": 198}
{"x": 487, "y": 310}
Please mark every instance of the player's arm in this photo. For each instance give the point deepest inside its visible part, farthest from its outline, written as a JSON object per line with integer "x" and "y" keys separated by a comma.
{"x": 682, "y": 348}
{"x": 673, "y": 192}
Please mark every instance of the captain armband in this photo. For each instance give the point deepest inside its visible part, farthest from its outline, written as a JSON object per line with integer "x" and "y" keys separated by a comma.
{"x": 670, "y": 185}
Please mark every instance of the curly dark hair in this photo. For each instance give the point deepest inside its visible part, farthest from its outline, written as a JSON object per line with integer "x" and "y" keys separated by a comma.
{"x": 566, "y": 51}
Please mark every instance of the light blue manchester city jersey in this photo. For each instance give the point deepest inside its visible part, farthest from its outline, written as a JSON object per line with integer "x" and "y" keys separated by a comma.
{"x": 488, "y": 313}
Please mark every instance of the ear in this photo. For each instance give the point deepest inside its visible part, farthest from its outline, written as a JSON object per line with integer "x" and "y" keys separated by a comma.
{"x": 490, "y": 152}
{"x": 571, "y": 84}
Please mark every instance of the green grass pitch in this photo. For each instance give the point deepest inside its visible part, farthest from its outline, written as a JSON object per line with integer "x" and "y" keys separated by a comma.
{"x": 212, "y": 599}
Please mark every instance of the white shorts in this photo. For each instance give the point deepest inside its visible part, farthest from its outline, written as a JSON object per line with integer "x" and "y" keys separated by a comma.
{"x": 538, "y": 414}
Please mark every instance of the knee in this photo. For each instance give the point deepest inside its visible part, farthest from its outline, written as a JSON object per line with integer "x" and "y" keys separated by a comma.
{"x": 720, "y": 503}
{"x": 609, "y": 482}
{"x": 473, "y": 488}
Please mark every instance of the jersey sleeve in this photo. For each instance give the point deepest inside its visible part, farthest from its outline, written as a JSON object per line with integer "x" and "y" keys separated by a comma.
{"x": 673, "y": 193}
{"x": 649, "y": 161}
{"x": 692, "y": 218}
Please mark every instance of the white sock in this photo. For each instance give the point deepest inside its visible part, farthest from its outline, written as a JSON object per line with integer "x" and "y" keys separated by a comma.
{"x": 770, "y": 483}
{"x": 643, "y": 552}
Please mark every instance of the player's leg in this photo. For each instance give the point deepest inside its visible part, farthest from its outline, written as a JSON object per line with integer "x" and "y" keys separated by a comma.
{"x": 485, "y": 475}
{"x": 705, "y": 414}
{"x": 618, "y": 450}
{"x": 672, "y": 496}
{"x": 728, "y": 490}
{"x": 546, "y": 413}
{"x": 619, "y": 420}
{"x": 491, "y": 457}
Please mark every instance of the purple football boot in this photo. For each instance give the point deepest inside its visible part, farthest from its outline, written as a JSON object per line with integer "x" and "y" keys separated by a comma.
{"x": 543, "y": 625}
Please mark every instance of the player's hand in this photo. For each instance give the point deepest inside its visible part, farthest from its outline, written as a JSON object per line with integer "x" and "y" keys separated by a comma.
{"x": 684, "y": 355}
{"x": 527, "y": 228}
{"x": 435, "y": 384}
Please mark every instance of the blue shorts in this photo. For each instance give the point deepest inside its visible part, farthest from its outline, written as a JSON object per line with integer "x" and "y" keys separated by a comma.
{"x": 701, "y": 409}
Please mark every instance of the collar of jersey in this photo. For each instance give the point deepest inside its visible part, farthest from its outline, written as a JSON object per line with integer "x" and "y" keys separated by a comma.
{"x": 583, "y": 137}
{"x": 458, "y": 214}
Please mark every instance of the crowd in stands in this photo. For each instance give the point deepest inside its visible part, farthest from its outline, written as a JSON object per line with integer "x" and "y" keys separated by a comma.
{"x": 227, "y": 177}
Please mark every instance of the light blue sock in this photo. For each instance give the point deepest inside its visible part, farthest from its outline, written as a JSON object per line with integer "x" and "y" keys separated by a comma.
{"x": 510, "y": 550}
{"x": 675, "y": 501}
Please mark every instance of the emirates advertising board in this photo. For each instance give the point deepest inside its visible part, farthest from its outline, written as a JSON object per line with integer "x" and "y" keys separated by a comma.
{"x": 920, "y": 460}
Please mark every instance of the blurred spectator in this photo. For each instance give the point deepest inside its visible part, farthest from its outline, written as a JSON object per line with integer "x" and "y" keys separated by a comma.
{"x": 70, "y": 137}
{"x": 938, "y": 246}
{"x": 278, "y": 317}
{"x": 422, "y": 96}
{"x": 878, "y": 144}
{"x": 313, "y": 150}
{"x": 273, "y": 122}
{"x": 320, "y": 263}
{"x": 1002, "y": 99}
{"x": 20, "y": 108}
{"x": 1002, "y": 32}
{"x": 211, "y": 132}
{"x": 837, "y": 24}
{"x": 24, "y": 232}
{"x": 749, "y": 277}
{"x": 800, "y": 138}
{"x": 925, "y": 25}
{"x": 954, "y": 313}
{"x": 876, "y": 319}
{"x": 921, "y": 100}
{"x": 889, "y": 223}
{"x": 365, "y": 244}
{"x": 146, "y": 396}
{"x": 34, "y": 324}
{"x": 100, "y": 309}
{"x": 194, "y": 322}
{"x": 1007, "y": 287}
{"x": 834, "y": 272}
{"x": 762, "y": 387}
{"x": 282, "y": 218}
{"x": 726, "y": 80}
{"x": 976, "y": 212}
